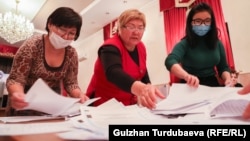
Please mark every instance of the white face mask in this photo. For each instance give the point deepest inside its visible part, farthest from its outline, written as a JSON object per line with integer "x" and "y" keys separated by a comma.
{"x": 58, "y": 42}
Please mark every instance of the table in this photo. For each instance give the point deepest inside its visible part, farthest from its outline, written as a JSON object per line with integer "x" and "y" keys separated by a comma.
{"x": 37, "y": 136}
{"x": 34, "y": 137}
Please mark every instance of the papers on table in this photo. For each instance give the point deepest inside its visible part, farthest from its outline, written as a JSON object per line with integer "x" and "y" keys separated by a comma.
{"x": 94, "y": 122}
{"x": 229, "y": 105}
{"x": 42, "y": 98}
{"x": 20, "y": 119}
{"x": 34, "y": 128}
{"x": 183, "y": 99}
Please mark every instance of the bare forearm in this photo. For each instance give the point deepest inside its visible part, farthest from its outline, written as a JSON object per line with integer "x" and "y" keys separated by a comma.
{"x": 225, "y": 75}
{"x": 15, "y": 88}
{"x": 178, "y": 71}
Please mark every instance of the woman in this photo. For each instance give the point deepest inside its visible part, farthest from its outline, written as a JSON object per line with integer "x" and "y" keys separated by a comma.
{"x": 120, "y": 70}
{"x": 49, "y": 57}
{"x": 200, "y": 53}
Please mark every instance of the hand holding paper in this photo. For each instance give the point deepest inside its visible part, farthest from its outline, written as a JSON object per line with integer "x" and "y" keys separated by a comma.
{"x": 41, "y": 98}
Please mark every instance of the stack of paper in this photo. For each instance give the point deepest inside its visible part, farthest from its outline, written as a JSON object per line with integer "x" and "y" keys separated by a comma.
{"x": 212, "y": 101}
{"x": 42, "y": 98}
{"x": 229, "y": 105}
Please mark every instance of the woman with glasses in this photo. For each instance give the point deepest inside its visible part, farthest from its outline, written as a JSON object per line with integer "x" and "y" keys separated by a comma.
{"x": 49, "y": 57}
{"x": 200, "y": 54}
{"x": 120, "y": 70}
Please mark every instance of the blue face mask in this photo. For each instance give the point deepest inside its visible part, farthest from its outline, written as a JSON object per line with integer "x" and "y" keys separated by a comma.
{"x": 201, "y": 30}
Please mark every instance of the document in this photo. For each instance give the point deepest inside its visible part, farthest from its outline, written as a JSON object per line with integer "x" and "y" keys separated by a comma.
{"x": 184, "y": 99}
{"x": 42, "y": 98}
{"x": 229, "y": 105}
{"x": 20, "y": 119}
{"x": 212, "y": 101}
{"x": 34, "y": 128}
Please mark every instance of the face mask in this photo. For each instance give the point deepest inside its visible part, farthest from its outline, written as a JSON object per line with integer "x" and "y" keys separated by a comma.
{"x": 58, "y": 42}
{"x": 201, "y": 30}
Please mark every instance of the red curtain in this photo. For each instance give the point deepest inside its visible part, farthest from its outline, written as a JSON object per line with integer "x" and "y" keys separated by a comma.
{"x": 166, "y": 5}
{"x": 174, "y": 23}
{"x": 108, "y": 30}
{"x": 174, "y": 26}
{"x": 174, "y": 29}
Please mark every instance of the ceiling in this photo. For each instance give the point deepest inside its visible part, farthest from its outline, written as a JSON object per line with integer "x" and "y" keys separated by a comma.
{"x": 95, "y": 13}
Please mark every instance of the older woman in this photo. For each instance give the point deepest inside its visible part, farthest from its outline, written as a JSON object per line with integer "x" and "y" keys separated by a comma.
{"x": 120, "y": 70}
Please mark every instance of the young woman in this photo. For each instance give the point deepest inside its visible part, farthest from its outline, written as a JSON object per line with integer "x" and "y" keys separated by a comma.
{"x": 200, "y": 53}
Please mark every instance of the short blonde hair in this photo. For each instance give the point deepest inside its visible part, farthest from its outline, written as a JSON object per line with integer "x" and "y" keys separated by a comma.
{"x": 128, "y": 15}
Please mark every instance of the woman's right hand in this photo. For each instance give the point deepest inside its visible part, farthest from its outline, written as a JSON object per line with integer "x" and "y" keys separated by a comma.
{"x": 147, "y": 94}
{"x": 17, "y": 100}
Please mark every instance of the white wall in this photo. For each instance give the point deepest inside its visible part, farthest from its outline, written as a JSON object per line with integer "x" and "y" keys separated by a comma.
{"x": 154, "y": 40}
{"x": 235, "y": 13}
{"x": 89, "y": 49}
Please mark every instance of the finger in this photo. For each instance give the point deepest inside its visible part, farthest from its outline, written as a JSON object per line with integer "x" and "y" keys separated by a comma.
{"x": 139, "y": 103}
{"x": 191, "y": 81}
{"x": 159, "y": 94}
{"x": 246, "y": 114}
{"x": 244, "y": 90}
{"x": 150, "y": 102}
{"x": 197, "y": 82}
{"x": 145, "y": 101}
{"x": 151, "y": 95}
{"x": 84, "y": 98}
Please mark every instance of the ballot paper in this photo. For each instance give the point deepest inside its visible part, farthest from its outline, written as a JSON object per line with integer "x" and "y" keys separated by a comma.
{"x": 42, "y": 98}
{"x": 229, "y": 105}
{"x": 212, "y": 101}
{"x": 34, "y": 128}
{"x": 22, "y": 119}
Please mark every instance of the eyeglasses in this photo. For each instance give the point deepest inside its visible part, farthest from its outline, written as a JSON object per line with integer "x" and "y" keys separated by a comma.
{"x": 63, "y": 32}
{"x": 200, "y": 21}
{"x": 133, "y": 28}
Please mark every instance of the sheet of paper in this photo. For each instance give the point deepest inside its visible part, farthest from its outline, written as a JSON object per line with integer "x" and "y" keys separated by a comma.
{"x": 16, "y": 119}
{"x": 81, "y": 134}
{"x": 34, "y": 128}
{"x": 185, "y": 99}
{"x": 230, "y": 105}
{"x": 42, "y": 98}
{"x": 133, "y": 114}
